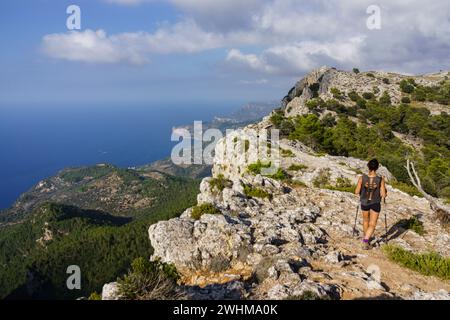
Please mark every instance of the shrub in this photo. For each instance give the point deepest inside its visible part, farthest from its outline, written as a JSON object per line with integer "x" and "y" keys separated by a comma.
{"x": 328, "y": 121}
{"x": 279, "y": 175}
{"x": 385, "y": 98}
{"x": 336, "y": 93}
{"x": 253, "y": 192}
{"x": 355, "y": 70}
{"x": 412, "y": 224}
{"x": 407, "y": 188}
{"x": 246, "y": 145}
{"x": 276, "y": 118}
{"x": 297, "y": 167}
{"x": 368, "y": 95}
{"x": 342, "y": 184}
{"x": 255, "y": 168}
{"x": 371, "y": 75}
{"x": 353, "y": 96}
{"x": 149, "y": 280}
{"x": 95, "y": 296}
{"x": 430, "y": 264}
{"x": 406, "y": 86}
{"x": 322, "y": 179}
{"x": 406, "y": 100}
{"x": 386, "y": 81}
{"x": 220, "y": 183}
{"x": 361, "y": 103}
{"x": 375, "y": 90}
{"x": 287, "y": 153}
{"x": 205, "y": 208}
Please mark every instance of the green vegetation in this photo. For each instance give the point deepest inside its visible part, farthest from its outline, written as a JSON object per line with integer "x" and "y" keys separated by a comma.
{"x": 253, "y": 192}
{"x": 355, "y": 70}
{"x": 256, "y": 168}
{"x": 385, "y": 99}
{"x": 346, "y": 138}
{"x": 322, "y": 180}
{"x": 287, "y": 153}
{"x": 95, "y": 296}
{"x": 371, "y": 75}
{"x": 337, "y": 94}
{"x": 219, "y": 183}
{"x": 439, "y": 93}
{"x": 368, "y": 95}
{"x": 78, "y": 174}
{"x": 430, "y": 264}
{"x": 205, "y": 208}
{"x": 408, "y": 188}
{"x": 406, "y": 100}
{"x": 246, "y": 145}
{"x": 406, "y": 86}
{"x": 149, "y": 280}
{"x": 412, "y": 224}
{"x": 342, "y": 184}
{"x": 386, "y": 81}
{"x": 297, "y": 167}
{"x": 101, "y": 244}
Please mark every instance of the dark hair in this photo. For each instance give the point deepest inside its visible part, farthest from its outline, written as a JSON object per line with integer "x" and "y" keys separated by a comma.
{"x": 373, "y": 165}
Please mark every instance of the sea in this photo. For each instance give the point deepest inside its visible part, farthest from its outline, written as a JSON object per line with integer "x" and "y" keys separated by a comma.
{"x": 38, "y": 141}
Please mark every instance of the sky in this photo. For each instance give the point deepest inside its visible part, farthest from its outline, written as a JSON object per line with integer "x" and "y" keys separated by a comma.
{"x": 183, "y": 51}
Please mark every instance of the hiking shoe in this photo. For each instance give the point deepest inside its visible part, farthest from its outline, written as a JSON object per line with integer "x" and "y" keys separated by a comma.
{"x": 365, "y": 245}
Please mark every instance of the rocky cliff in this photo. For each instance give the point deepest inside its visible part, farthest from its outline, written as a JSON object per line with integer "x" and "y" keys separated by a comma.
{"x": 290, "y": 234}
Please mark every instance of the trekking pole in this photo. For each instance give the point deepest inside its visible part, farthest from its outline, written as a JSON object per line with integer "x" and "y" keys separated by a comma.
{"x": 356, "y": 217}
{"x": 385, "y": 221}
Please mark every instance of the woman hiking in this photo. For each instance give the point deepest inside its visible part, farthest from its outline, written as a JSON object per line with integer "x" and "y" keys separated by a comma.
{"x": 371, "y": 190}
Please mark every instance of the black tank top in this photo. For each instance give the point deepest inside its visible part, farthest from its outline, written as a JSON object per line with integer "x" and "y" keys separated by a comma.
{"x": 370, "y": 190}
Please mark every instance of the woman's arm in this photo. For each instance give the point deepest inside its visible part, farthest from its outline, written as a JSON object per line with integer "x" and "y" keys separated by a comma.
{"x": 358, "y": 186}
{"x": 383, "y": 190}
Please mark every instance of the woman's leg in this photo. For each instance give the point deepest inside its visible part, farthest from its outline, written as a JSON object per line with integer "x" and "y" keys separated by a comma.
{"x": 373, "y": 218}
{"x": 366, "y": 218}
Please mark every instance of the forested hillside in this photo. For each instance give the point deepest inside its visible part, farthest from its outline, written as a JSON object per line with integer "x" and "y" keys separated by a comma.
{"x": 36, "y": 251}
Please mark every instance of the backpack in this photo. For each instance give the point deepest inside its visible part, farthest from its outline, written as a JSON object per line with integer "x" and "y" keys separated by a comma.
{"x": 370, "y": 190}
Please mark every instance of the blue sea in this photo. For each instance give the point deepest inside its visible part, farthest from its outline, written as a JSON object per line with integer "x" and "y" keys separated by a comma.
{"x": 38, "y": 141}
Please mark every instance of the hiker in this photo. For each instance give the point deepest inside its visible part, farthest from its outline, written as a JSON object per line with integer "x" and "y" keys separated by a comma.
{"x": 371, "y": 190}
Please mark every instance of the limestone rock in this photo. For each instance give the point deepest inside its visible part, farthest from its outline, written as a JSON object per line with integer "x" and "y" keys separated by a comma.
{"x": 109, "y": 291}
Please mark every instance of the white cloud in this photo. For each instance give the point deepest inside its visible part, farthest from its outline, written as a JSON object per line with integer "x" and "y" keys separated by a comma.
{"x": 133, "y": 47}
{"x": 89, "y": 46}
{"x": 299, "y": 57}
{"x": 291, "y": 36}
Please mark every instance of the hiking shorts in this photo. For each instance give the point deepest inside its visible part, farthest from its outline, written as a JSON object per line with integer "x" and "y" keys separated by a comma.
{"x": 374, "y": 206}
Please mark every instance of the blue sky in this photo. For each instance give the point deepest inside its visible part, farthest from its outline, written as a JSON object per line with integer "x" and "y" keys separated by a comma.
{"x": 183, "y": 51}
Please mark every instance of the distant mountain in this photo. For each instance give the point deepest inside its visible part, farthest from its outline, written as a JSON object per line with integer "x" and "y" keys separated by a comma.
{"x": 243, "y": 116}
